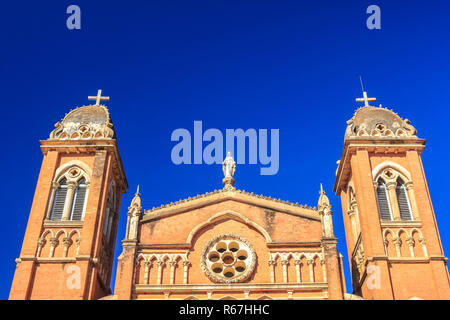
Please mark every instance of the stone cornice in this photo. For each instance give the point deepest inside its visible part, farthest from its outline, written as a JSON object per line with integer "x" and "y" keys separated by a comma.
{"x": 236, "y": 195}
{"x": 374, "y": 145}
{"x": 317, "y": 286}
{"x": 63, "y": 224}
{"x": 402, "y": 224}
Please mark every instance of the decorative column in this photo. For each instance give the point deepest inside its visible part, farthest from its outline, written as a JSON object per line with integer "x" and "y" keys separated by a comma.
{"x": 272, "y": 270}
{"x": 398, "y": 243}
{"x": 410, "y": 242}
{"x": 329, "y": 250}
{"x": 71, "y": 186}
{"x": 67, "y": 243}
{"x": 297, "y": 263}
{"x": 412, "y": 200}
{"x": 285, "y": 264}
{"x": 160, "y": 266}
{"x": 311, "y": 269}
{"x": 41, "y": 243}
{"x": 391, "y": 187}
{"x": 133, "y": 217}
{"x": 78, "y": 241}
{"x": 423, "y": 242}
{"x": 324, "y": 270}
{"x": 55, "y": 186}
{"x": 186, "y": 265}
{"x": 386, "y": 245}
{"x": 351, "y": 215}
{"x": 172, "y": 265}
{"x": 53, "y": 243}
{"x": 147, "y": 265}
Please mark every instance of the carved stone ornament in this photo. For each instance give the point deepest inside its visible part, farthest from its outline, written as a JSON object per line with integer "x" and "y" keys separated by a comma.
{"x": 228, "y": 258}
{"x": 85, "y": 123}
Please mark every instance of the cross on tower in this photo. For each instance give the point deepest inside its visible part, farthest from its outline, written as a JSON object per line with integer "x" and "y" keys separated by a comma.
{"x": 365, "y": 99}
{"x": 98, "y": 98}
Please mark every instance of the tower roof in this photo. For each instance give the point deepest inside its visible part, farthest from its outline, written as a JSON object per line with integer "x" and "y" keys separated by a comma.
{"x": 85, "y": 123}
{"x": 378, "y": 122}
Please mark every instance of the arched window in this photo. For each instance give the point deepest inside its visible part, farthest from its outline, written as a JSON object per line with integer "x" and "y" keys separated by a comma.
{"x": 403, "y": 201}
{"x": 110, "y": 212}
{"x": 384, "y": 207}
{"x": 59, "y": 201}
{"x": 78, "y": 200}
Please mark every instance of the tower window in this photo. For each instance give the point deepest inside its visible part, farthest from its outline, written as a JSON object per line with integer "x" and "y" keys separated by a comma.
{"x": 383, "y": 202}
{"x": 78, "y": 201}
{"x": 60, "y": 200}
{"x": 403, "y": 201}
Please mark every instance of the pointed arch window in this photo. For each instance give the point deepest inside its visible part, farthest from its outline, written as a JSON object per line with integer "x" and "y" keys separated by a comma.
{"x": 79, "y": 200}
{"x": 59, "y": 201}
{"x": 384, "y": 207}
{"x": 403, "y": 201}
{"x": 110, "y": 212}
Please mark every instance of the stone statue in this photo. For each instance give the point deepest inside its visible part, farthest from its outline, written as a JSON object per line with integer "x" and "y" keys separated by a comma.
{"x": 228, "y": 166}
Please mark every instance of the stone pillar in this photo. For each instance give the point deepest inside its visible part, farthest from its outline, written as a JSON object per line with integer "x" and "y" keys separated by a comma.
{"x": 160, "y": 266}
{"x": 172, "y": 265}
{"x": 53, "y": 243}
{"x": 55, "y": 186}
{"x": 71, "y": 186}
{"x": 351, "y": 215}
{"x": 391, "y": 186}
{"x": 398, "y": 242}
{"x": 285, "y": 264}
{"x": 147, "y": 265}
{"x": 186, "y": 265}
{"x": 324, "y": 270}
{"x": 297, "y": 270}
{"x": 412, "y": 200}
{"x": 311, "y": 269}
{"x": 41, "y": 243}
{"x": 423, "y": 242}
{"x": 272, "y": 270}
{"x": 67, "y": 243}
{"x": 410, "y": 242}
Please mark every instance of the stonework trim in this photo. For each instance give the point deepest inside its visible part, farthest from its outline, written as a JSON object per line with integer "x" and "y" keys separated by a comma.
{"x": 228, "y": 214}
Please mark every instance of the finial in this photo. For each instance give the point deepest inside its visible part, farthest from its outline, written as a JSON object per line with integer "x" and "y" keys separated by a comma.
{"x": 98, "y": 98}
{"x": 135, "y": 206}
{"x": 228, "y": 168}
{"x": 137, "y": 191}
{"x": 323, "y": 199}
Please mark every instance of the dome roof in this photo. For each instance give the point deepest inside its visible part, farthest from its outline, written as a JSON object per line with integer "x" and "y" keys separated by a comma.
{"x": 86, "y": 122}
{"x": 379, "y": 122}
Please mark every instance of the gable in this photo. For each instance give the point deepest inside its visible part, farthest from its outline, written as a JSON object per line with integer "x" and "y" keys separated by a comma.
{"x": 275, "y": 226}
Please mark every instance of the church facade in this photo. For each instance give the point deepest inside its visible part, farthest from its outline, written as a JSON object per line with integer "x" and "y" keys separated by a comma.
{"x": 229, "y": 243}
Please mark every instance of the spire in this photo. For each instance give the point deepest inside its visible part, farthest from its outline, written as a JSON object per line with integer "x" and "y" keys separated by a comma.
{"x": 325, "y": 214}
{"x": 228, "y": 168}
{"x": 324, "y": 202}
{"x": 135, "y": 206}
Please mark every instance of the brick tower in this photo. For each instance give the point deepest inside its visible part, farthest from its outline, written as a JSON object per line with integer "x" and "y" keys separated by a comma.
{"x": 68, "y": 248}
{"x": 392, "y": 235}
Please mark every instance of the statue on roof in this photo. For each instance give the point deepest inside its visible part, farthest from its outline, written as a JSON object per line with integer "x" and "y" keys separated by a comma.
{"x": 229, "y": 166}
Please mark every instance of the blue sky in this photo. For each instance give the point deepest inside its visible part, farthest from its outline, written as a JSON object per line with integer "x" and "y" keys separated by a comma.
{"x": 287, "y": 65}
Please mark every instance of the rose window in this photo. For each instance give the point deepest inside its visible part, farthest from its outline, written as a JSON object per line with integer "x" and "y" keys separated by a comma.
{"x": 228, "y": 258}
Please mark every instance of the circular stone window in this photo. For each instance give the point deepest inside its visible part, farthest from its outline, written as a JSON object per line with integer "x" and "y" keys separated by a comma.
{"x": 228, "y": 258}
